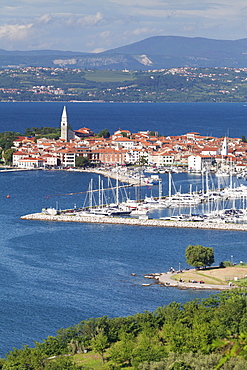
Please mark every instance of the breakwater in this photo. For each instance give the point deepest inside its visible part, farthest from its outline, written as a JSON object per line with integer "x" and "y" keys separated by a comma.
{"x": 114, "y": 175}
{"x": 134, "y": 221}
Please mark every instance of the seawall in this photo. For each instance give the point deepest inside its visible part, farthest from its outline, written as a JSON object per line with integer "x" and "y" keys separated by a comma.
{"x": 135, "y": 221}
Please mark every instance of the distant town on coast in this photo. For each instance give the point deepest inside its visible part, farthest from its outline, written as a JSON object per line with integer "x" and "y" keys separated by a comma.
{"x": 175, "y": 84}
{"x": 67, "y": 148}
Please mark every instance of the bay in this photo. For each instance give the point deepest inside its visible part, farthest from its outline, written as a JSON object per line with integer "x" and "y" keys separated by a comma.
{"x": 54, "y": 275}
{"x": 167, "y": 118}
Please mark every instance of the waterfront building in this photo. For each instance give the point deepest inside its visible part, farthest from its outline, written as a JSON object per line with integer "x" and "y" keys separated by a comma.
{"x": 30, "y": 163}
{"x": 196, "y": 163}
{"x": 17, "y": 156}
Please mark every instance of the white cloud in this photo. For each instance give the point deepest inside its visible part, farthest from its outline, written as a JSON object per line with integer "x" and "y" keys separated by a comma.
{"x": 89, "y": 20}
{"x": 44, "y": 18}
{"x": 15, "y": 31}
{"x": 105, "y": 35}
{"x": 106, "y": 24}
{"x": 139, "y": 31}
{"x": 11, "y": 8}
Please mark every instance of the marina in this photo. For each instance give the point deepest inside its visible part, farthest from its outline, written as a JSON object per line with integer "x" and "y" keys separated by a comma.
{"x": 210, "y": 206}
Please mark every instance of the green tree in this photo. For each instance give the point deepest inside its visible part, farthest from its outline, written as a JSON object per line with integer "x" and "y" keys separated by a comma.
{"x": 148, "y": 348}
{"x": 104, "y": 133}
{"x": 26, "y": 358}
{"x": 199, "y": 256}
{"x": 122, "y": 351}
{"x": 7, "y": 138}
{"x": 100, "y": 344}
{"x": 82, "y": 161}
{"x": 7, "y": 155}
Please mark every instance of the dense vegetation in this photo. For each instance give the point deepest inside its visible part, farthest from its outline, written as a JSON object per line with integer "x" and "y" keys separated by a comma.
{"x": 211, "y": 334}
{"x": 48, "y": 132}
{"x": 199, "y": 256}
{"x": 180, "y": 84}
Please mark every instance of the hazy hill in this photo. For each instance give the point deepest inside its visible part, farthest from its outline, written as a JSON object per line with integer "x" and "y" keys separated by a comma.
{"x": 152, "y": 53}
{"x": 176, "y": 46}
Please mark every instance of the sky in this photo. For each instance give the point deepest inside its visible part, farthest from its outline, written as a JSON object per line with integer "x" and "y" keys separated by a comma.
{"x": 99, "y": 25}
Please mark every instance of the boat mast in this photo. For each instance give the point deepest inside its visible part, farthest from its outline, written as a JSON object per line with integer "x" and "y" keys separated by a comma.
{"x": 117, "y": 189}
{"x": 170, "y": 186}
{"x": 91, "y": 194}
{"x": 160, "y": 189}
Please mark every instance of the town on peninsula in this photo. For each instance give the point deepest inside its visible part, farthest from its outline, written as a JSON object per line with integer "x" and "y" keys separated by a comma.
{"x": 125, "y": 156}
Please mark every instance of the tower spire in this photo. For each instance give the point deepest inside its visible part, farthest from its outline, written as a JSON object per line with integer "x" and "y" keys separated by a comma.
{"x": 224, "y": 149}
{"x": 64, "y": 125}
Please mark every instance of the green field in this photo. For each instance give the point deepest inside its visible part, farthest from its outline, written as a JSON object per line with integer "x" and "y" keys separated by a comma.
{"x": 109, "y": 76}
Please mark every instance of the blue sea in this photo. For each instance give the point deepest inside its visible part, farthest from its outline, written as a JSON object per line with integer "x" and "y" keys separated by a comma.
{"x": 54, "y": 275}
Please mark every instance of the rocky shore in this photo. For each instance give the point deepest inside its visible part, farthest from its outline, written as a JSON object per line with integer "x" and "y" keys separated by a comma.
{"x": 134, "y": 221}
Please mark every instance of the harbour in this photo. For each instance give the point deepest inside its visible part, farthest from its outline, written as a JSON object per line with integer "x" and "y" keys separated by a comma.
{"x": 55, "y": 274}
{"x": 210, "y": 206}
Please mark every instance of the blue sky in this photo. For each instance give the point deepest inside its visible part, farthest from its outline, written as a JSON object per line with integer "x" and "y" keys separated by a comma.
{"x": 98, "y": 25}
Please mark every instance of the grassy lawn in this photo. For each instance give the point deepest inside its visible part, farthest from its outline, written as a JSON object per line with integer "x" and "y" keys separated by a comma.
{"x": 215, "y": 275}
{"x": 92, "y": 361}
{"x": 109, "y": 76}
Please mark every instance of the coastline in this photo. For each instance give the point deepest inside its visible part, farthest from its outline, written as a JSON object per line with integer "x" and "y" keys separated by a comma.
{"x": 164, "y": 279}
{"x": 135, "y": 222}
{"x": 211, "y": 277}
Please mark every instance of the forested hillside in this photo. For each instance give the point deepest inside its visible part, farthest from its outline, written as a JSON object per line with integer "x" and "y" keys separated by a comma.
{"x": 211, "y": 334}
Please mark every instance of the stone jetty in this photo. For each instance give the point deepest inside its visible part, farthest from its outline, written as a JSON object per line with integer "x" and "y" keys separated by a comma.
{"x": 74, "y": 217}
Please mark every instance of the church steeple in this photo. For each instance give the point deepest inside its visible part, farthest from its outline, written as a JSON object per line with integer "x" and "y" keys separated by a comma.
{"x": 64, "y": 125}
{"x": 224, "y": 149}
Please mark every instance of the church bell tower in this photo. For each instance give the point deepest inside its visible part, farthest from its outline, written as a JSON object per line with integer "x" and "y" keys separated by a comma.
{"x": 64, "y": 125}
{"x": 224, "y": 149}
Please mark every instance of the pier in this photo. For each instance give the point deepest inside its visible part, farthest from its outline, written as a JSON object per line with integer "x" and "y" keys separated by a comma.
{"x": 134, "y": 221}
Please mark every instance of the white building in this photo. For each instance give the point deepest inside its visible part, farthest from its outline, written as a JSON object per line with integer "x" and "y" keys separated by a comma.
{"x": 161, "y": 159}
{"x": 135, "y": 156}
{"x": 124, "y": 142}
{"x": 197, "y": 163}
{"x": 30, "y": 163}
{"x": 69, "y": 159}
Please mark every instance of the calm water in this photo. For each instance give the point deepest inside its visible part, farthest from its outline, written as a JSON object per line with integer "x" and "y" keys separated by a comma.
{"x": 166, "y": 118}
{"x": 53, "y": 275}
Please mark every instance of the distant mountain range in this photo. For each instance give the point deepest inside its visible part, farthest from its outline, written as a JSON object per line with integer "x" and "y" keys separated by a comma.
{"x": 152, "y": 53}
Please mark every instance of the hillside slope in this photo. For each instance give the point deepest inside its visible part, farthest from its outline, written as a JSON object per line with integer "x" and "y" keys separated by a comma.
{"x": 152, "y": 53}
